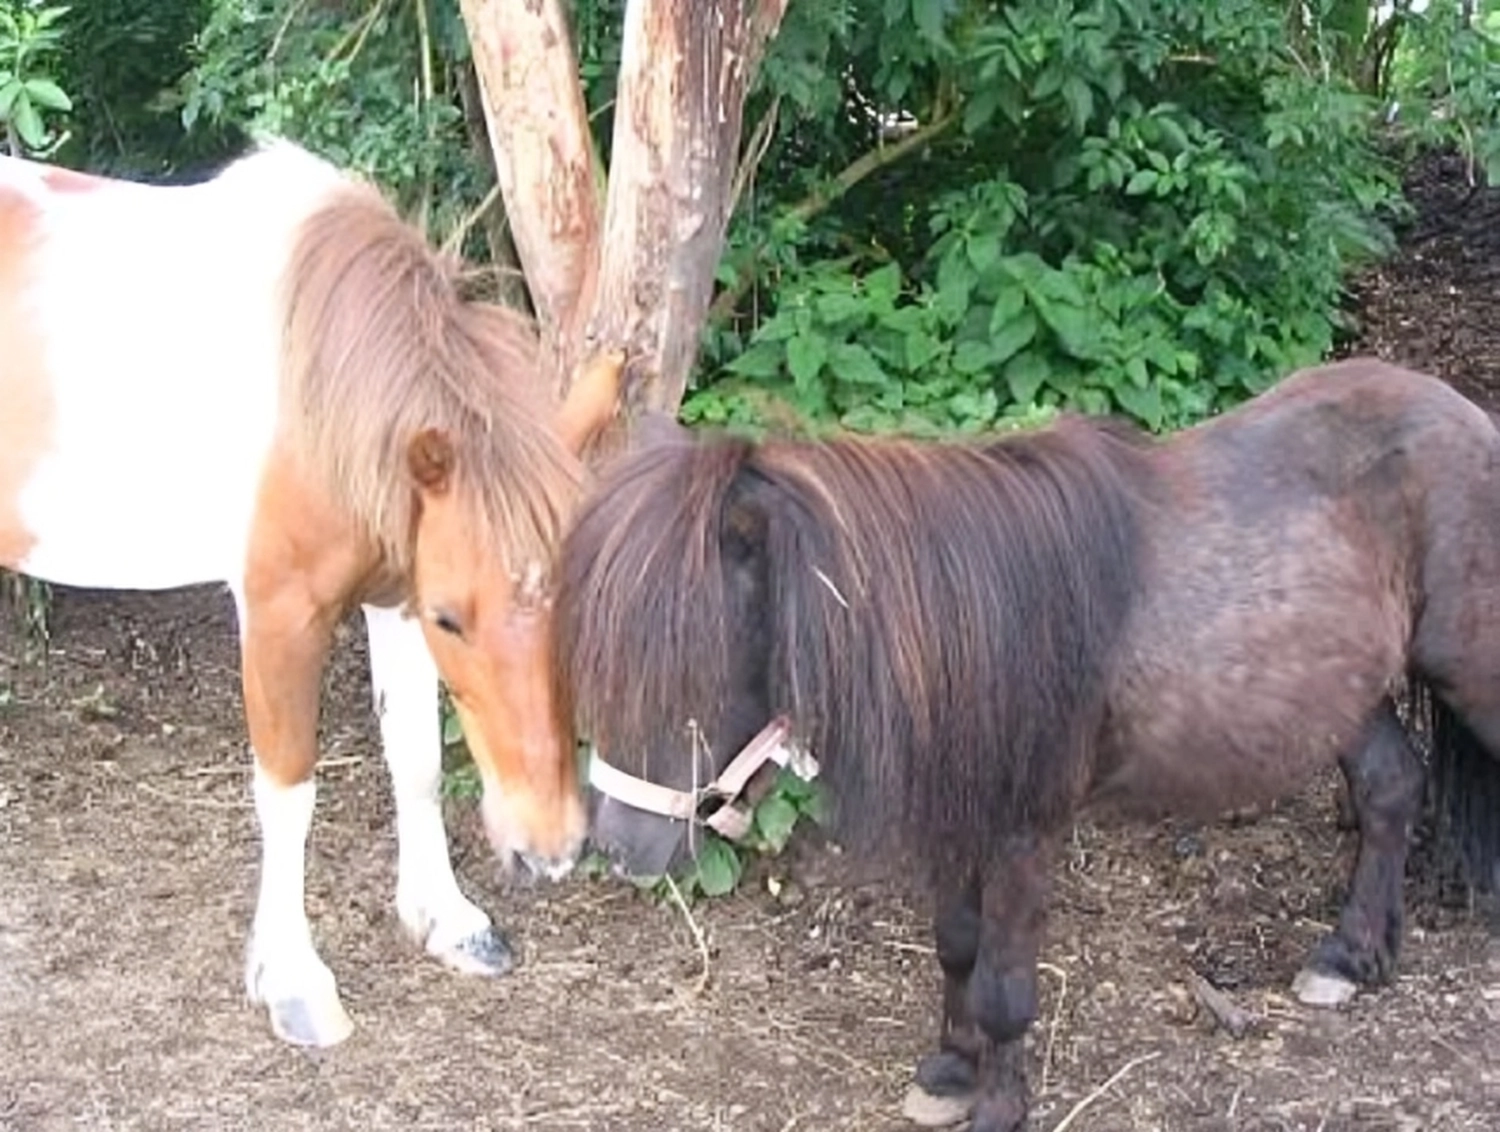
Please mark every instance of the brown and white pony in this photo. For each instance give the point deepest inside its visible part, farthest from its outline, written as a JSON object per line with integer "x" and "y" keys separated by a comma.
{"x": 268, "y": 379}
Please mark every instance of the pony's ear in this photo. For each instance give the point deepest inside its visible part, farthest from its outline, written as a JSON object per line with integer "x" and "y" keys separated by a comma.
{"x": 429, "y": 457}
{"x": 592, "y": 401}
{"x": 654, "y": 427}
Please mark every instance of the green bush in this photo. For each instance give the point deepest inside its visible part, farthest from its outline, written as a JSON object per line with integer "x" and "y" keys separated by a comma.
{"x": 1140, "y": 207}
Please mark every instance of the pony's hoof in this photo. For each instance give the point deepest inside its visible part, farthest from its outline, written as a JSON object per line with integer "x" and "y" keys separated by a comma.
{"x": 932, "y": 1111}
{"x": 486, "y": 953}
{"x": 1314, "y": 988}
{"x": 311, "y": 1024}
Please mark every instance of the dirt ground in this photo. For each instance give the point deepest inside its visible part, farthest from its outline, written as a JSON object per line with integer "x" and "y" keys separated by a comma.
{"x": 128, "y": 858}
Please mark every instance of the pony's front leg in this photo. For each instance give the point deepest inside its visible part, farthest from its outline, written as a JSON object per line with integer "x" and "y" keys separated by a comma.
{"x": 947, "y": 1081}
{"x": 1002, "y": 994}
{"x": 285, "y": 637}
{"x": 428, "y": 899}
{"x": 1385, "y": 780}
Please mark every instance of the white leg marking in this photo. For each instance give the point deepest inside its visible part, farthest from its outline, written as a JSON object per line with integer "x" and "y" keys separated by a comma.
{"x": 283, "y": 970}
{"x": 428, "y": 899}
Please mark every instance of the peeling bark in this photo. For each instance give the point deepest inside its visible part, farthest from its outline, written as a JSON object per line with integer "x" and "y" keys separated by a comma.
{"x": 639, "y": 276}
{"x": 539, "y": 133}
{"x": 685, "y": 68}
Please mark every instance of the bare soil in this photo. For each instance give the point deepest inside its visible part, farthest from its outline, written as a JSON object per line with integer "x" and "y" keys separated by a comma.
{"x": 128, "y": 861}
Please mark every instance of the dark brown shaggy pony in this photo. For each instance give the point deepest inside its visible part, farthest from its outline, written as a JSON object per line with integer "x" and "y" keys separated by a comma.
{"x": 978, "y": 640}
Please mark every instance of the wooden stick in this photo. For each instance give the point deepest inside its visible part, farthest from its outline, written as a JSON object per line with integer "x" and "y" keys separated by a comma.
{"x": 1228, "y": 1013}
{"x": 1077, "y": 1109}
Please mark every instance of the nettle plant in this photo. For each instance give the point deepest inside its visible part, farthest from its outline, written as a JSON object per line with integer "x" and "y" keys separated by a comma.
{"x": 1118, "y": 206}
{"x": 1443, "y": 80}
{"x": 30, "y": 99}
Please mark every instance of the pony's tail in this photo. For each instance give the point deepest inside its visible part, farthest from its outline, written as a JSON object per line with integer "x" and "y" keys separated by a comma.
{"x": 1464, "y": 777}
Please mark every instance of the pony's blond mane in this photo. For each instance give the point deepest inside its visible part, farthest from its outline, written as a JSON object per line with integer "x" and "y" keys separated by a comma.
{"x": 379, "y": 344}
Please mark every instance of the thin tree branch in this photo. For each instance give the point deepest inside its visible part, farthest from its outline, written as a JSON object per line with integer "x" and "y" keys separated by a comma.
{"x": 755, "y": 151}
{"x": 868, "y": 163}
{"x": 865, "y": 165}
{"x": 455, "y": 241}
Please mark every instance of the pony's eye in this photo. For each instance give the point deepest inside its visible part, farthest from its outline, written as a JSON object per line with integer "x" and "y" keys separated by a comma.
{"x": 448, "y": 623}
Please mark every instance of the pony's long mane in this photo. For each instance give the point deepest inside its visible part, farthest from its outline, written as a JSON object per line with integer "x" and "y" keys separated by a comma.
{"x": 380, "y": 343}
{"x": 937, "y": 618}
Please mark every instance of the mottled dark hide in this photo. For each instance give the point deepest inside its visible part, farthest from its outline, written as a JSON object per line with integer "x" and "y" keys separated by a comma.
{"x": 978, "y": 640}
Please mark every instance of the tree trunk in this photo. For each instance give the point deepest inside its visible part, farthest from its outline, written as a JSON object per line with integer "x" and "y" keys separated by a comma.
{"x": 544, "y": 159}
{"x": 504, "y": 258}
{"x": 636, "y": 275}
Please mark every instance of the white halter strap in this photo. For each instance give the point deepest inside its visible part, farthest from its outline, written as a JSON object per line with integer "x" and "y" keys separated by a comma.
{"x": 772, "y": 744}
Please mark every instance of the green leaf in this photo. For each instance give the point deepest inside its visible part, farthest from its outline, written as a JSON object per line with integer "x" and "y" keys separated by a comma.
{"x": 719, "y": 867}
{"x": 955, "y": 280}
{"x": 28, "y": 122}
{"x": 1080, "y": 101}
{"x": 973, "y": 357}
{"x": 1070, "y": 324}
{"x": 839, "y": 307}
{"x": 921, "y": 348}
{"x": 1024, "y": 375}
{"x": 762, "y": 359}
{"x": 776, "y": 817}
{"x": 928, "y": 15}
{"x": 884, "y": 284}
{"x": 984, "y": 251}
{"x": 453, "y": 729}
{"x": 1008, "y": 307}
{"x": 980, "y": 107}
{"x": 1143, "y": 181}
{"x": 1013, "y": 337}
{"x": 10, "y": 90}
{"x": 1143, "y": 404}
{"x": 851, "y": 362}
{"x": 805, "y": 355}
{"x": 48, "y": 94}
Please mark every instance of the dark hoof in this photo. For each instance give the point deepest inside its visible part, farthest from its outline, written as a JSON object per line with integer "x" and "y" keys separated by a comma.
{"x": 947, "y": 1074}
{"x": 999, "y": 1114}
{"x": 485, "y": 953}
{"x": 316, "y": 1025}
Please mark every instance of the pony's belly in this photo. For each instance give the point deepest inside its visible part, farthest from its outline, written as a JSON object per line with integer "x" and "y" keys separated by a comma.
{"x": 116, "y": 520}
{"x": 1200, "y": 772}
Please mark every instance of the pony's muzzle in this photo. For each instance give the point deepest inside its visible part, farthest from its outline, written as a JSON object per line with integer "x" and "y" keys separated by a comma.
{"x": 546, "y": 848}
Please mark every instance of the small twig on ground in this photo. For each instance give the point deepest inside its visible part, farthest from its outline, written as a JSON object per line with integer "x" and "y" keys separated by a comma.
{"x": 338, "y": 761}
{"x": 1234, "y": 1102}
{"x": 697, "y": 933}
{"x": 201, "y": 803}
{"x": 1077, "y": 1110}
{"x": 1062, "y": 993}
{"x": 333, "y": 763}
{"x": 1228, "y": 1013}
